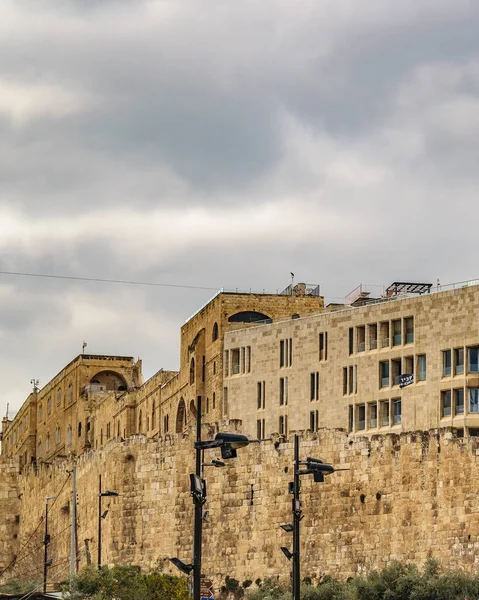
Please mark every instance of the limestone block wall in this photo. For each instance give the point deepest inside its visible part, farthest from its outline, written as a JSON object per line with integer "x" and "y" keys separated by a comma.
{"x": 408, "y": 497}
{"x": 9, "y": 511}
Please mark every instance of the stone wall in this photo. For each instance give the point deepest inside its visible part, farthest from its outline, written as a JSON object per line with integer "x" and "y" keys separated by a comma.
{"x": 406, "y": 497}
{"x": 9, "y": 511}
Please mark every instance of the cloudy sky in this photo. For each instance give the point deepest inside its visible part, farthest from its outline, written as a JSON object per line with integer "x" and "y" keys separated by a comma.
{"x": 214, "y": 143}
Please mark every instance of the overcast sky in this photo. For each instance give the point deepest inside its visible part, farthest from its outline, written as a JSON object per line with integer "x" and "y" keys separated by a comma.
{"x": 215, "y": 143}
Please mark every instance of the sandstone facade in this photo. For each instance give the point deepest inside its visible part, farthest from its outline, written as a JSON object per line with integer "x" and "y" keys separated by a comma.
{"x": 331, "y": 373}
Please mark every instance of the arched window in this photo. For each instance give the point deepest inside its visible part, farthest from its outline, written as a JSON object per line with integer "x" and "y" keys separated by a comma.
{"x": 47, "y": 443}
{"x": 70, "y": 393}
{"x": 214, "y": 400}
{"x": 140, "y": 418}
{"x": 79, "y": 429}
{"x": 57, "y": 435}
{"x": 192, "y": 371}
{"x": 59, "y": 396}
{"x": 49, "y": 405}
{"x": 153, "y": 416}
{"x": 69, "y": 436}
{"x": 214, "y": 334}
{"x": 40, "y": 412}
{"x": 118, "y": 429}
{"x": 248, "y": 316}
{"x": 180, "y": 416}
{"x": 39, "y": 449}
{"x": 101, "y": 437}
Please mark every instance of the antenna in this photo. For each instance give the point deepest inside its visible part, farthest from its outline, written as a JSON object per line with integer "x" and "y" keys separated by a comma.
{"x": 292, "y": 280}
{"x": 83, "y": 346}
{"x": 35, "y": 383}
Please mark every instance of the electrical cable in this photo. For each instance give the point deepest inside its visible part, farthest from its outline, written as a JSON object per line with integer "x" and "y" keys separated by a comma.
{"x": 101, "y": 280}
{"x": 14, "y": 560}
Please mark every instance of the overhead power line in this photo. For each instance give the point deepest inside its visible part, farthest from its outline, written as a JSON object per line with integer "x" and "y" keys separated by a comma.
{"x": 101, "y": 280}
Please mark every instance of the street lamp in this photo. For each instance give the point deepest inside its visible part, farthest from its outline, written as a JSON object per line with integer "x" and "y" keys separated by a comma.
{"x": 317, "y": 468}
{"x": 228, "y": 443}
{"x": 102, "y": 515}
{"x": 46, "y": 541}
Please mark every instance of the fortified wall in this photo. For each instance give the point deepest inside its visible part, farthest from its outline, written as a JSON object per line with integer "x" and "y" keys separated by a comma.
{"x": 407, "y": 497}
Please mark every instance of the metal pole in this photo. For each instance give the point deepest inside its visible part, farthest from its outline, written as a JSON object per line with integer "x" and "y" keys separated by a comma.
{"x": 198, "y": 515}
{"x": 74, "y": 519}
{"x": 45, "y": 551}
{"x": 296, "y": 522}
{"x": 99, "y": 522}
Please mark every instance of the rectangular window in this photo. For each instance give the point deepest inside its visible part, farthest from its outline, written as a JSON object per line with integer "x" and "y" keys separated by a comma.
{"x": 248, "y": 359}
{"x": 351, "y": 340}
{"x": 396, "y": 370}
{"x": 286, "y": 352}
{"x": 355, "y": 379}
{"x": 397, "y": 411}
{"x": 408, "y": 365}
{"x": 409, "y": 329}
{"x": 283, "y": 391}
{"x": 345, "y": 381}
{"x": 351, "y": 417}
{"x": 260, "y": 429}
{"x": 283, "y": 425}
{"x": 473, "y": 400}
{"x": 384, "y": 333}
{"x": 396, "y": 326}
{"x": 373, "y": 415}
{"x": 235, "y": 361}
{"x": 225, "y": 401}
{"x": 385, "y": 413}
{"x": 373, "y": 336}
{"x": 323, "y": 346}
{"x": 243, "y": 360}
{"x": 458, "y": 361}
{"x": 351, "y": 380}
{"x": 459, "y": 401}
{"x": 361, "y": 338}
{"x": 446, "y": 403}
{"x": 384, "y": 373}
{"x": 446, "y": 363}
{"x": 259, "y": 394}
{"x": 473, "y": 359}
{"x": 314, "y": 386}
{"x": 313, "y": 420}
{"x": 361, "y": 417}
{"x": 421, "y": 367}
{"x": 227, "y": 363}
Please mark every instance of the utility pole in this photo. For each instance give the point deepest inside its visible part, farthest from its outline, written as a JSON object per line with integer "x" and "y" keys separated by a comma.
{"x": 99, "y": 523}
{"x": 297, "y": 514}
{"x": 74, "y": 520}
{"x": 46, "y": 541}
{"x": 198, "y": 531}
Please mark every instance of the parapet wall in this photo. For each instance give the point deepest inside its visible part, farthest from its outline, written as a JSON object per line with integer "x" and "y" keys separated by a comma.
{"x": 405, "y": 497}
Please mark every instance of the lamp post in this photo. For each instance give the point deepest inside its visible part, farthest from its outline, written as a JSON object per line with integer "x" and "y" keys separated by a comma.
{"x": 228, "y": 443}
{"x": 46, "y": 541}
{"x": 101, "y": 516}
{"x": 318, "y": 469}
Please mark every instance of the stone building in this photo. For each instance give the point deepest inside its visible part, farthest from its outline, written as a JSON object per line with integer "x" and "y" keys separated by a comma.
{"x": 388, "y": 386}
{"x": 347, "y": 368}
{"x": 96, "y": 398}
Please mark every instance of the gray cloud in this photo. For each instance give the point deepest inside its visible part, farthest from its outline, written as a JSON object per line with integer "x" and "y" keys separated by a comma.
{"x": 159, "y": 141}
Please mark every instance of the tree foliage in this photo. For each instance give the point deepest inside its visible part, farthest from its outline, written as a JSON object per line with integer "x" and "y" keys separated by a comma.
{"x": 398, "y": 581}
{"x": 127, "y": 583}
